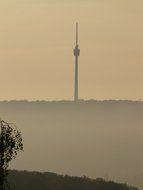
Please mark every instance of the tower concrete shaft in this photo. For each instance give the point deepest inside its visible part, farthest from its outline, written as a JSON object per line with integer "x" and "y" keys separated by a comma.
{"x": 76, "y": 54}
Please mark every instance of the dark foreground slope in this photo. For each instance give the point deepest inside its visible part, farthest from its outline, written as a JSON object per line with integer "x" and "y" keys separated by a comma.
{"x": 50, "y": 181}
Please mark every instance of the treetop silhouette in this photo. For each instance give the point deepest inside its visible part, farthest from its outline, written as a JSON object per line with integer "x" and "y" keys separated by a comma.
{"x": 10, "y": 145}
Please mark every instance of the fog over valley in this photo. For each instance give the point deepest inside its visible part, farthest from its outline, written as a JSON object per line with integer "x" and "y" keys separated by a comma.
{"x": 92, "y": 138}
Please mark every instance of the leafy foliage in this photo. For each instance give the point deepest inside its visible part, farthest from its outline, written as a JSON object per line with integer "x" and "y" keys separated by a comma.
{"x": 10, "y": 145}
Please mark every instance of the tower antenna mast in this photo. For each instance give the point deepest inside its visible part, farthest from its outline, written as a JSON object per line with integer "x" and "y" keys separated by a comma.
{"x": 76, "y": 33}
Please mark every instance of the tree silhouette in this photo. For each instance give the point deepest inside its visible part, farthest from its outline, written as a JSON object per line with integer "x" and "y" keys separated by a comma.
{"x": 10, "y": 145}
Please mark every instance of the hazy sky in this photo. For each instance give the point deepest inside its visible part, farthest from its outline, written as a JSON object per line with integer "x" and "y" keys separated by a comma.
{"x": 37, "y": 41}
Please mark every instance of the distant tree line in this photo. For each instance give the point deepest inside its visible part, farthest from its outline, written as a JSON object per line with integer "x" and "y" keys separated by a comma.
{"x": 23, "y": 180}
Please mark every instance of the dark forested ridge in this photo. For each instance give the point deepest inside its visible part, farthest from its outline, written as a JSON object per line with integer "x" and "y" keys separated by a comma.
{"x": 23, "y": 180}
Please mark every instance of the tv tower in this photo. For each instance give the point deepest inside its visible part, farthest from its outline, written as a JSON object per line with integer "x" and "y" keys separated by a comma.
{"x": 76, "y": 54}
